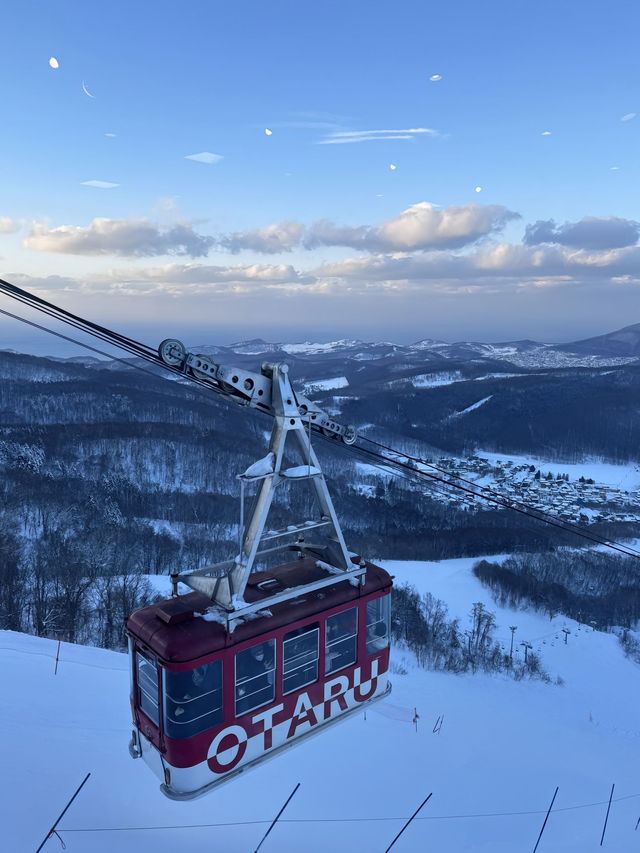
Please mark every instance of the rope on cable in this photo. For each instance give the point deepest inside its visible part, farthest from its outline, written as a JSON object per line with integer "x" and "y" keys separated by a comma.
{"x": 385, "y": 458}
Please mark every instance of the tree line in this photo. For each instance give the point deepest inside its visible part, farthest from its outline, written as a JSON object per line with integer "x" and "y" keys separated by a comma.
{"x": 423, "y": 625}
{"x": 589, "y": 586}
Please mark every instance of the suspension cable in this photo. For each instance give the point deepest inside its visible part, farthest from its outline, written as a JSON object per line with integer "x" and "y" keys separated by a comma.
{"x": 384, "y": 457}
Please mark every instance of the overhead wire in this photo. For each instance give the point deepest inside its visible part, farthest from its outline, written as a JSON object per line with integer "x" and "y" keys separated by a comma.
{"x": 76, "y": 341}
{"x": 404, "y": 464}
{"x": 377, "y": 819}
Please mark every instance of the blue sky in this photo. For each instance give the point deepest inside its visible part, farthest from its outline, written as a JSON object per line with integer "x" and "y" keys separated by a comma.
{"x": 171, "y": 80}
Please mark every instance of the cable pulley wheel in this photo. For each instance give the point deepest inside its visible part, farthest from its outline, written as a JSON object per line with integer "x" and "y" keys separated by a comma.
{"x": 172, "y": 352}
{"x": 202, "y": 374}
{"x": 350, "y": 435}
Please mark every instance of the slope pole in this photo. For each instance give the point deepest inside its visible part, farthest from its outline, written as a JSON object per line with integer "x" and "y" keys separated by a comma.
{"x": 546, "y": 819}
{"x": 408, "y": 822}
{"x": 604, "y": 828}
{"x": 277, "y": 817}
{"x": 62, "y": 814}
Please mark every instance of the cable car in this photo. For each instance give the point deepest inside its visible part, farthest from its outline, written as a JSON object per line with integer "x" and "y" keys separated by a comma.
{"x": 261, "y": 653}
{"x": 208, "y": 705}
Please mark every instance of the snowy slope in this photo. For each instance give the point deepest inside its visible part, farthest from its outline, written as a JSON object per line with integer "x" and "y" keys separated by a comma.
{"x": 504, "y": 746}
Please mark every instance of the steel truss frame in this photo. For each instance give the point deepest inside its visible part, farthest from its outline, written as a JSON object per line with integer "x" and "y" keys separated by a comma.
{"x": 225, "y": 583}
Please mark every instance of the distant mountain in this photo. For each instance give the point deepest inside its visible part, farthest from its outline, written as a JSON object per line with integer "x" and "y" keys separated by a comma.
{"x": 623, "y": 342}
{"x": 256, "y": 346}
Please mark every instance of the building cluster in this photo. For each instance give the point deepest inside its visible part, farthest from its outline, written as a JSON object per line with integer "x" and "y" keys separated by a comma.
{"x": 577, "y": 499}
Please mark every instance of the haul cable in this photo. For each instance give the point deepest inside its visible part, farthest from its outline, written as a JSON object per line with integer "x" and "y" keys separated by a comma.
{"x": 399, "y": 462}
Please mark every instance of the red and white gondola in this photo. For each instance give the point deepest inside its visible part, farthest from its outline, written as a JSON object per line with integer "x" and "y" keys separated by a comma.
{"x": 208, "y": 705}
{"x": 257, "y": 658}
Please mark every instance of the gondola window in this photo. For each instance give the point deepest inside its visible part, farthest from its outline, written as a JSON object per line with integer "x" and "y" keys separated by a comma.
{"x": 300, "y": 658}
{"x": 147, "y": 677}
{"x": 342, "y": 630}
{"x": 255, "y": 677}
{"x": 192, "y": 700}
{"x": 377, "y": 624}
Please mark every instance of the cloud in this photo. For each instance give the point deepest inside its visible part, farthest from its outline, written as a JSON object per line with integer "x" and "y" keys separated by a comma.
{"x": 166, "y": 204}
{"x": 494, "y": 269}
{"x": 270, "y": 240}
{"x": 175, "y": 281}
{"x": 344, "y": 137}
{"x": 8, "y": 226}
{"x": 205, "y": 157}
{"x": 489, "y": 268}
{"x": 46, "y": 283}
{"x": 100, "y": 185}
{"x": 133, "y": 238}
{"x": 628, "y": 116}
{"x": 418, "y": 227}
{"x": 592, "y": 232}
{"x": 203, "y": 274}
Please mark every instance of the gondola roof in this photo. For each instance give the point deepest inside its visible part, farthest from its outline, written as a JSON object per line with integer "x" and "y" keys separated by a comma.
{"x": 181, "y": 629}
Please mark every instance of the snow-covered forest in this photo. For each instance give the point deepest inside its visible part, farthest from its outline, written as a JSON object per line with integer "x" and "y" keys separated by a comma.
{"x": 111, "y": 475}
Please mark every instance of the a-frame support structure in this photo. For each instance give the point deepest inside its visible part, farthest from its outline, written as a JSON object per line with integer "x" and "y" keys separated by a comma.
{"x": 225, "y": 583}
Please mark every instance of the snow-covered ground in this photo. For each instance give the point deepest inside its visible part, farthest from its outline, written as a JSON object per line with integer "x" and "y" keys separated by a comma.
{"x": 309, "y": 348}
{"x": 326, "y": 384}
{"x": 432, "y": 380}
{"x": 503, "y": 748}
{"x": 472, "y": 407}
{"x": 607, "y": 473}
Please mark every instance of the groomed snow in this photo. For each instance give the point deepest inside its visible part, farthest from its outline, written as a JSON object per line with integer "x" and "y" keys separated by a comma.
{"x": 472, "y": 407}
{"x": 503, "y": 748}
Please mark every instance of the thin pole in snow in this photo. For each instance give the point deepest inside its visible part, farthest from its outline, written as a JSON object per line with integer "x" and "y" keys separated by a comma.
{"x": 55, "y": 671}
{"x": 276, "y": 818}
{"x": 52, "y": 831}
{"x": 604, "y": 828}
{"x": 408, "y": 822}
{"x": 546, "y": 819}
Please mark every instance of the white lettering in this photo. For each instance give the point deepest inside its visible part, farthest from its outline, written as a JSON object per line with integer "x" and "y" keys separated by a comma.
{"x": 227, "y": 749}
{"x": 334, "y": 691}
{"x": 266, "y": 718}
{"x": 303, "y": 713}
{"x": 303, "y": 703}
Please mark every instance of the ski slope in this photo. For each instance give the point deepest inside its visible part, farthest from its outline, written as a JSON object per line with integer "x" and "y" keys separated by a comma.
{"x": 503, "y": 748}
